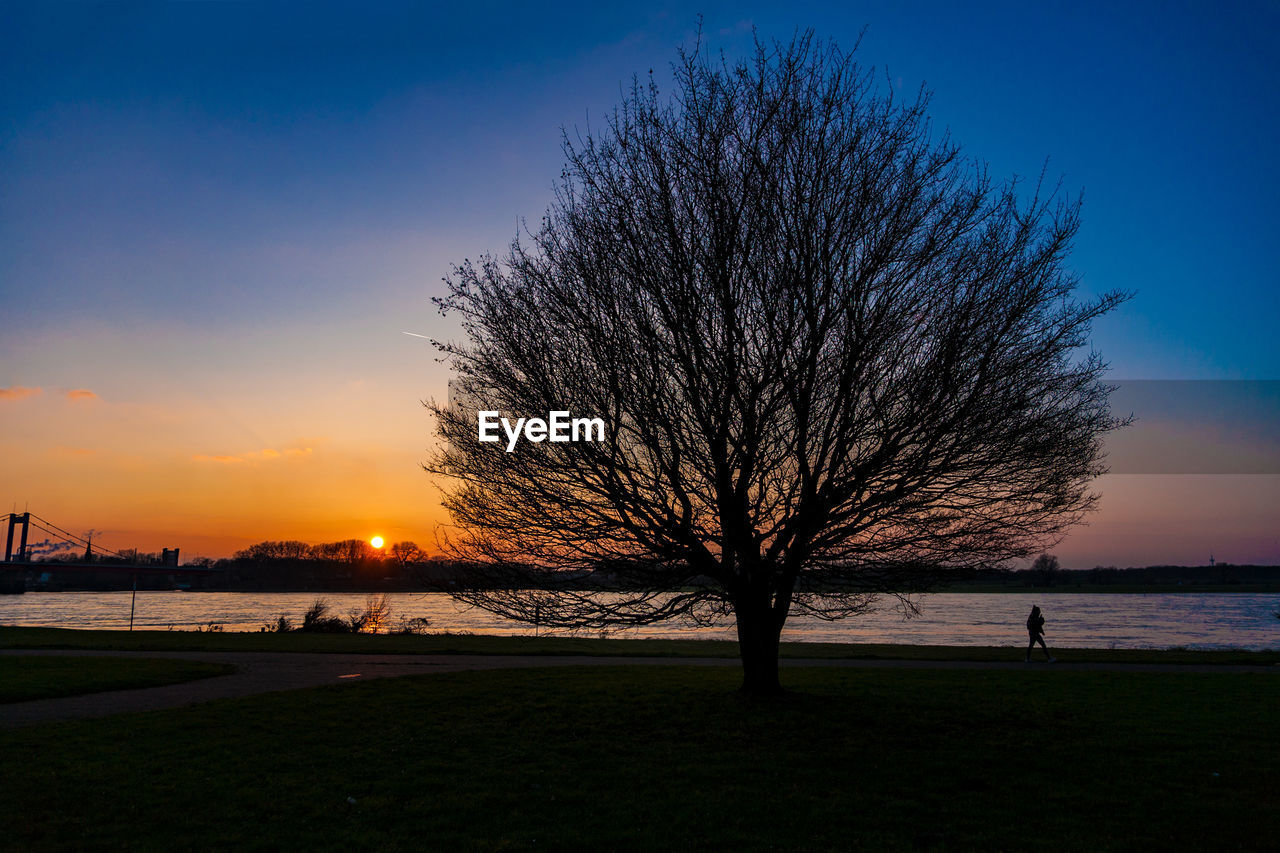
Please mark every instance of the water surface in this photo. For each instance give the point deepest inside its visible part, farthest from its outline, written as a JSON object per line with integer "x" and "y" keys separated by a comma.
{"x": 1079, "y": 620}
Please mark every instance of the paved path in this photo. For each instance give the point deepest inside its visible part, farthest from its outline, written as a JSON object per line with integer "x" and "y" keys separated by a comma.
{"x": 264, "y": 672}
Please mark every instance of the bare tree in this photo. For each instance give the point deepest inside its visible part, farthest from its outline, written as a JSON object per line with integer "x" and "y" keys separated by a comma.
{"x": 407, "y": 554}
{"x": 1047, "y": 566}
{"x": 835, "y": 360}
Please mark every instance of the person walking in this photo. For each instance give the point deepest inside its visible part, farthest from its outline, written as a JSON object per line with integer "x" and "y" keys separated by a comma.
{"x": 1035, "y": 628}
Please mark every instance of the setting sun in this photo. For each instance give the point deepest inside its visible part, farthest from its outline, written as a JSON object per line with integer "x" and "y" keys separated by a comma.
{"x": 376, "y": 541}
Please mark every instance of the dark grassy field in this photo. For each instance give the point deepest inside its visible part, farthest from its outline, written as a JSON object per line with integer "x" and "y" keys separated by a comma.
{"x": 61, "y": 638}
{"x": 26, "y": 678}
{"x": 670, "y": 758}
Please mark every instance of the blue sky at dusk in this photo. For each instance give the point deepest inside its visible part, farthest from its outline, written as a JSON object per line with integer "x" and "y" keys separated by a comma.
{"x": 219, "y": 218}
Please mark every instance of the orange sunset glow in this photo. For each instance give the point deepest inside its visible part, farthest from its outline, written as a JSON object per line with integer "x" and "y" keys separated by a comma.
{"x": 151, "y": 474}
{"x": 214, "y": 477}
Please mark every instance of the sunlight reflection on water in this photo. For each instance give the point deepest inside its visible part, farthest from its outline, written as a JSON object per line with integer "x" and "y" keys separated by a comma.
{"x": 1123, "y": 621}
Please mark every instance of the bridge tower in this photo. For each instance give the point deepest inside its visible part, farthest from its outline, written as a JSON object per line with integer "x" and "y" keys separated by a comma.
{"x": 14, "y": 520}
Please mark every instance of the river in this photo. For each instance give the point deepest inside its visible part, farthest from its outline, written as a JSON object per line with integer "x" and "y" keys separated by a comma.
{"x": 1075, "y": 620}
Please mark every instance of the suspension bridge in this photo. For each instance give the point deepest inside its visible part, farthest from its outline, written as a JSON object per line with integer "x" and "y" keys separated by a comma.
{"x": 57, "y": 540}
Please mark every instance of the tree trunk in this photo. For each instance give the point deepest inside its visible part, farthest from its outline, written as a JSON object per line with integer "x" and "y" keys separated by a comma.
{"x": 758, "y": 646}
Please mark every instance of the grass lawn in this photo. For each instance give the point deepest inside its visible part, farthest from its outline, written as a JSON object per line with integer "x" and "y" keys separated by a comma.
{"x": 670, "y": 758}
{"x": 25, "y": 678}
{"x": 62, "y": 638}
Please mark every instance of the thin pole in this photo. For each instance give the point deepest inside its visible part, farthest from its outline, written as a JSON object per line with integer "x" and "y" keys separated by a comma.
{"x": 133, "y": 599}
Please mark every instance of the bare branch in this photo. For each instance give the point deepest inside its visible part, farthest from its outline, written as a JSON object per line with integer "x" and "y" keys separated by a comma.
{"x": 835, "y": 358}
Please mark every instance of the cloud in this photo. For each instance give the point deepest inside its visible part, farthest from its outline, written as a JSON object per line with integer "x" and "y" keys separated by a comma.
{"x": 17, "y": 392}
{"x": 271, "y": 453}
{"x": 81, "y": 394}
{"x": 200, "y": 457}
{"x": 265, "y": 455}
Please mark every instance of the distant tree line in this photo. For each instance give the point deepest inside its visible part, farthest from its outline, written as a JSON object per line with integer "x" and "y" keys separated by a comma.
{"x": 348, "y": 564}
{"x": 354, "y": 565}
{"x": 1047, "y": 573}
{"x": 288, "y": 565}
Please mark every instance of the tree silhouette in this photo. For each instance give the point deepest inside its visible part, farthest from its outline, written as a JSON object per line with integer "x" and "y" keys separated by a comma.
{"x": 835, "y": 359}
{"x": 1047, "y": 566}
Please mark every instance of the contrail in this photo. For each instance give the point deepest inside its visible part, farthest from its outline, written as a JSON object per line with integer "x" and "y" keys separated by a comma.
{"x": 416, "y": 335}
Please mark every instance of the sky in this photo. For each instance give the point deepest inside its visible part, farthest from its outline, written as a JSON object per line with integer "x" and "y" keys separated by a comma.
{"x": 217, "y": 221}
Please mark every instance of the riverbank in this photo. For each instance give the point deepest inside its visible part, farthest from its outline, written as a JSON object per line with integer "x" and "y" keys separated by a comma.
{"x": 1114, "y": 589}
{"x": 478, "y": 644}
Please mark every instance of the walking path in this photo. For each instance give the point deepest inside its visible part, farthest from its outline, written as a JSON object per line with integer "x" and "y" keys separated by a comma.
{"x": 264, "y": 672}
